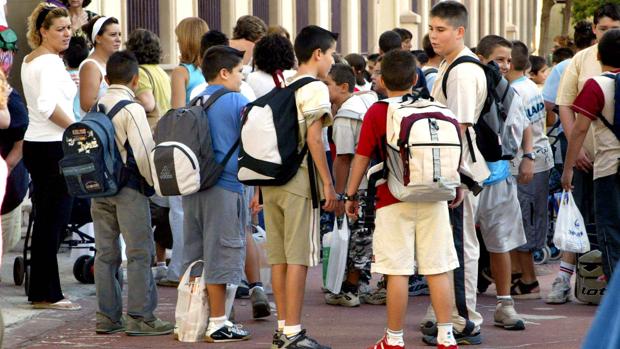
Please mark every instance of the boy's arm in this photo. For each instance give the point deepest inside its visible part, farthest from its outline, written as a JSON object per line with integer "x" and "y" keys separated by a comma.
{"x": 575, "y": 142}
{"x": 342, "y": 165}
{"x": 358, "y": 169}
{"x": 526, "y": 167}
{"x": 140, "y": 139}
{"x": 317, "y": 151}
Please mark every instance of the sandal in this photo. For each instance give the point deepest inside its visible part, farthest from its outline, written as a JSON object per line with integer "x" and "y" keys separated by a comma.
{"x": 63, "y": 304}
{"x": 521, "y": 290}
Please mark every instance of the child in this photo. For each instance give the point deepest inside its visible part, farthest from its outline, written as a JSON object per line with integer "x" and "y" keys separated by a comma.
{"x": 213, "y": 220}
{"x": 539, "y": 70}
{"x": 532, "y": 195}
{"x": 73, "y": 57}
{"x": 128, "y": 213}
{"x": 594, "y": 104}
{"x": 346, "y": 133}
{"x": 402, "y": 237}
{"x": 289, "y": 215}
{"x": 465, "y": 96}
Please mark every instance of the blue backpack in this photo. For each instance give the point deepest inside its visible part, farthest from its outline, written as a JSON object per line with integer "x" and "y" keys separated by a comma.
{"x": 615, "y": 127}
{"x": 92, "y": 165}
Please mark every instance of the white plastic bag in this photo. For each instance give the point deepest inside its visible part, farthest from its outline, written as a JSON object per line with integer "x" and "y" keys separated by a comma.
{"x": 337, "y": 256}
{"x": 192, "y": 311}
{"x": 260, "y": 237}
{"x": 570, "y": 231}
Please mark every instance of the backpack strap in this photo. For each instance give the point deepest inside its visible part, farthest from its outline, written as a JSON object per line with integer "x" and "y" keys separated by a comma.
{"x": 615, "y": 129}
{"x": 430, "y": 71}
{"x": 231, "y": 151}
{"x": 301, "y": 83}
{"x": 462, "y": 59}
{"x": 117, "y": 107}
{"x": 212, "y": 98}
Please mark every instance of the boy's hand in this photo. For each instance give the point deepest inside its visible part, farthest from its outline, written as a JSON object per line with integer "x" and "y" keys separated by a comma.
{"x": 526, "y": 171}
{"x": 583, "y": 162}
{"x": 331, "y": 199}
{"x": 255, "y": 206}
{"x": 350, "y": 207}
{"x": 567, "y": 179}
{"x": 458, "y": 199}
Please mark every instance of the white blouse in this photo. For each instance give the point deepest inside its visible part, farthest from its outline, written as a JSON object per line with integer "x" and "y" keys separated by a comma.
{"x": 46, "y": 84}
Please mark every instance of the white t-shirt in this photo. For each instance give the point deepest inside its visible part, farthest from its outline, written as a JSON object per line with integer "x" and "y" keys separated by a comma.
{"x": 262, "y": 82}
{"x": 46, "y": 84}
{"x": 246, "y": 91}
{"x": 534, "y": 106}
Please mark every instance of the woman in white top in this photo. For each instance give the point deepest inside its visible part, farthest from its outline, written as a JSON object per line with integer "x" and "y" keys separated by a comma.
{"x": 49, "y": 92}
{"x": 105, "y": 34}
{"x": 273, "y": 59}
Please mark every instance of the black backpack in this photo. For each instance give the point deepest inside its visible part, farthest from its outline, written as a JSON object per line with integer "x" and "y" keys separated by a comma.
{"x": 615, "y": 127}
{"x": 494, "y": 136}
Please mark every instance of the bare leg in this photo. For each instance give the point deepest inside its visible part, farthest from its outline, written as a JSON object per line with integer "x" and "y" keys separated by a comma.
{"x": 217, "y": 299}
{"x": 295, "y": 288}
{"x": 500, "y": 268}
{"x": 527, "y": 267}
{"x": 441, "y": 294}
{"x": 397, "y": 299}
{"x": 278, "y": 284}
{"x": 252, "y": 262}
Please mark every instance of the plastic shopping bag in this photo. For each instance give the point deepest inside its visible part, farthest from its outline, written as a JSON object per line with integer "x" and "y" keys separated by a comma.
{"x": 337, "y": 256}
{"x": 327, "y": 244}
{"x": 570, "y": 231}
{"x": 260, "y": 237}
{"x": 192, "y": 311}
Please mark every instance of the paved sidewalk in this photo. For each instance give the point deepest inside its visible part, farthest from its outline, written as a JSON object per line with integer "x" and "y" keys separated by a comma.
{"x": 562, "y": 326}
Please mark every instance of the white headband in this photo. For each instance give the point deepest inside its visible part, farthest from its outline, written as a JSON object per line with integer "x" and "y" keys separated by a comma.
{"x": 97, "y": 27}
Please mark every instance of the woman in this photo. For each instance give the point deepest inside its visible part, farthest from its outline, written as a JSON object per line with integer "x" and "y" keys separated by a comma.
{"x": 105, "y": 35}
{"x": 273, "y": 59}
{"x": 49, "y": 92}
{"x": 79, "y": 16}
{"x": 187, "y": 75}
{"x": 154, "y": 85}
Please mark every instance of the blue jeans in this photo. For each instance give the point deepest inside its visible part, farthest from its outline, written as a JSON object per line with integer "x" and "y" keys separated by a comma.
{"x": 607, "y": 211}
{"x": 127, "y": 212}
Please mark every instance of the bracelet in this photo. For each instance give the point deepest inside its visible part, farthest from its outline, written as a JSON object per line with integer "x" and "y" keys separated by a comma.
{"x": 340, "y": 197}
{"x": 354, "y": 197}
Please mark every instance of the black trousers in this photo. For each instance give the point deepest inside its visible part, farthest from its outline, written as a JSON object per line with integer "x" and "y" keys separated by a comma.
{"x": 52, "y": 208}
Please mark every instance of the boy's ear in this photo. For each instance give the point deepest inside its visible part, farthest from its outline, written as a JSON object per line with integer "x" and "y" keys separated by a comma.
{"x": 135, "y": 80}
{"x": 316, "y": 54}
{"x": 460, "y": 32}
{"x": 344, "y": 88}
{"x": 224, "y": 74}
{"x": 415, "y": 80}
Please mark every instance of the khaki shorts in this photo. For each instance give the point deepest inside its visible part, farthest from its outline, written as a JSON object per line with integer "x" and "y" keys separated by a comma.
{"x": 412, "y": 235}
{"x": 292, "y": 228}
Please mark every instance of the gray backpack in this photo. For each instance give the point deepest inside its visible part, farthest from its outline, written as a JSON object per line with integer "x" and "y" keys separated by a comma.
{"x": 183, "y": 160}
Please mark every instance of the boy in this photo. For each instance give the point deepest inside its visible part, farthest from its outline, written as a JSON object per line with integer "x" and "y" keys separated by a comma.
{"x": 499, "y": 204}
{"x": 405, "y": 36}
{"x": 405, "y": 233}
{"x": 538, "y": 71}
{"x": 533, "y": 195}
{"x": 594, "y": 104}
{"x": 289, "y": 213}
{"x": 213, "y": 223}
{"x": 346, "y": 133}
{"x": 128, "y": 213}
{"x": 465, "y": 97}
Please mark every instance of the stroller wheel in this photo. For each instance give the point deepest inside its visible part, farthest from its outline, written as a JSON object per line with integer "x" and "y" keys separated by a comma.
{"x": 27, "y": 281}
{"x": 19, "y": 270}
{"x": 555, "y": 253}
{"x": 88, "y": 272}
{"x": 541, "y": 256}
{"x": 78, "y": 268}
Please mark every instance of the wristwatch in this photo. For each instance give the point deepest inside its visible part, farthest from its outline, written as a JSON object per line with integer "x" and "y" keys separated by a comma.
{"x": 354, "y": 197}
{"x": 531, "y": 156}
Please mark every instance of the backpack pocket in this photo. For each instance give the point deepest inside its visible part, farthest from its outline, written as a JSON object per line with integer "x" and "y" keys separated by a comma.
{"x": 175, "y": 169}
{"x": 84, "y": 177}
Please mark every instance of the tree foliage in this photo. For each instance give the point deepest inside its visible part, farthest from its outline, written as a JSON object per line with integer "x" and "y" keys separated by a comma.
{"x": 583, "y": 9}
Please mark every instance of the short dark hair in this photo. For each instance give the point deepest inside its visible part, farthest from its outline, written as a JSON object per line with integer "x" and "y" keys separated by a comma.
{"x": 420, "y": 56}
{"x": 122, "y": 66}
{"x": 404, "y": 33}
{"x": 452, "y": 11}
{"x": 487, "y": 45}
{"x": 358, "y": 63}
{"x": 607, "y": 10}
{"x": 77, "y": 52}
{"x": 220, "y": 57}
{"x": 311, "y": 38}
{"x": 561, "y": 54}
{"x": 373, "y": 57}
{"x": 89, "y": 27}
{"x": 584, "y": 36}
{"x": 212, "y": 38}
{"x": 68, "y": 2}
{"x": 398, "y": 70}
{"x": 390, "y": 40}
{"x": 520, "y": 56}
{"x": 249, "y": 27}
{"x": 145, "y": 45}
{"x": 274, "y": 52}
{"x": 609, "y": 48}
{"x": 428, "y": 48}
{"x": 342, "y": 73}
{"x": 537, "y": 63}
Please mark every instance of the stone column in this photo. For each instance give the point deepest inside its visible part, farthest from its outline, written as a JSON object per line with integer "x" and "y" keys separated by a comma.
{"x": 350, "y": 27}
{"x": 231, "y": 10}
{"x": 282, "y": 12}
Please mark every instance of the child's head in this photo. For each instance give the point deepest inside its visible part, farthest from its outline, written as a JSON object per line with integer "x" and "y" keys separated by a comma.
{"x": 212, "y": 38}
{"x": 122, "y": 69}
{"x": 77, "y": 52}
{"x": 222, "y": 65}
{"x": 358, "y": 63}
{"x": 341, "y": 82}
{"x": 372, "y": 60}
{"x": 520, "y": 56}
{"x": 405, "y": 36}
{"x": 274, "y": 52}
{"x": 375, "y": 76}
{"x": 398, "y": 71}
{"x": 420, "y": 56}
{"x": 497, "y": 49}
{"x": 314, "y": 46}
{"x": 609, "y": 49}
{"x": 448, "y": 22}
{"x": 539, "y": 69}
{"x": 388, "y": 41}
{"x": 561, "y": 54}
{"x": 189, "y": 33}
{"x": 250, "y": 28}
{"x": 428, "y": 48}
{"x": 584, "y": 35}
{"x": 145, "y": 45}
{"x": 606, "y": 17}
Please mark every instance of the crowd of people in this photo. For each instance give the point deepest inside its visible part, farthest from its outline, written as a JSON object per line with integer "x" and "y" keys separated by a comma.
{"x": 499, "y": 215}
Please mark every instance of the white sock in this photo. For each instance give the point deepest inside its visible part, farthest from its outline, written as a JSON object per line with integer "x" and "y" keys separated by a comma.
{"x": 502, "y": 298}
{"x": 291, "y": 331}
{"x": 255, "y": 287}
{"x": 445, "y": 335}
{"x": 215, "y": 323}
{"x": 395, "y": 337}
{"x": 566, "y": 271}
{"x": 281, "y": 325}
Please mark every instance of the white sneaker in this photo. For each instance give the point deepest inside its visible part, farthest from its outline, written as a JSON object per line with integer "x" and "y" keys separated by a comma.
{"x": 159, "y": 272}
{"x": 346, "y": 299}
{"x": 506, "y": 316}
{"x": 560, "y": 291}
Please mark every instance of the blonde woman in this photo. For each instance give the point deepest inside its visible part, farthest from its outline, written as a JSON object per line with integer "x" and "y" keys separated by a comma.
{"x": 188, "y": 74}
{"x": 49, "y": 92}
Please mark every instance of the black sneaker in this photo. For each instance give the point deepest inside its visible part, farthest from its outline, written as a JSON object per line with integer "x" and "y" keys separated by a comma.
{"x": 484, "y": 280}
{"x": 277, "y": 342}
{"x": 461, "y": 339}
{"x": 300, "y": 341}
{"x": 228, "y": 333}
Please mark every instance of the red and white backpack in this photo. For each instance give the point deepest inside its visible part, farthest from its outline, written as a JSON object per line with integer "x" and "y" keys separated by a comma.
{"x": 423, "y": 151}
